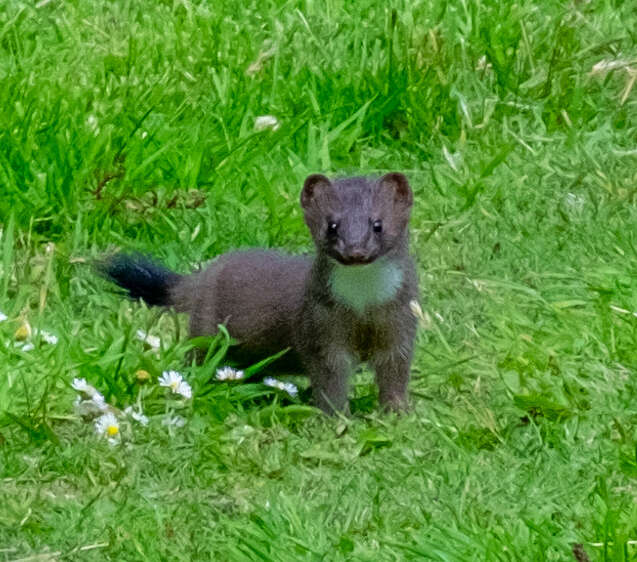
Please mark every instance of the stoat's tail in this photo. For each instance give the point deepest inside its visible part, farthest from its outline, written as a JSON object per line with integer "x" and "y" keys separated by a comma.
{"x": 141, "y": 278}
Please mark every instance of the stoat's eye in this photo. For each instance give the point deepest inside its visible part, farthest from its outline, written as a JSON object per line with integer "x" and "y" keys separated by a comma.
{"x": 332, "y": 228}
{"x": 378, "y": 226}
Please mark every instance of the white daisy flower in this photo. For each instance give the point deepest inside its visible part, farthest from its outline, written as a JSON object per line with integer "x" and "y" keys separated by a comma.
{"x": 137, "y": 416}
{"x": 108, "y": 426}
{"x": 173, "y": 421}
{"x": 229, "y": 374}
{"x": 264, "y": 122}
{"x": 170, "y": 379}
{"x": 99, "y": 402}
{"x": 152, "y": 341}
{"x": 48, "y": 338}
{"x": 3, "y": 317}
{"x": 82, "y": 386}
{"x": 175, "y": 381}
{"x": 90, "y": 408}
{"x": 24, "y": 346}
{"x": 288, "y": 387}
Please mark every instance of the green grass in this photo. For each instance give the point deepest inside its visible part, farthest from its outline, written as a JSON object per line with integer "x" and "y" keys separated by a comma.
{"x": 131, "y": 124}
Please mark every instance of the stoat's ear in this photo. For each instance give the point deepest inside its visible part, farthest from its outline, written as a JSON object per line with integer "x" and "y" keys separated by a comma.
{"x": 314, "y": 184}
{"x": 398, "y": 185}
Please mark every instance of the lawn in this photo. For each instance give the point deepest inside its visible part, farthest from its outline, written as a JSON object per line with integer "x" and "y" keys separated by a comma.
{"x": 132, "y": 125}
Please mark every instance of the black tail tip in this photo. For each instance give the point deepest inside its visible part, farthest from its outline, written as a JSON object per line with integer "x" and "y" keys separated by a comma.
{"x": 140, "y": 277}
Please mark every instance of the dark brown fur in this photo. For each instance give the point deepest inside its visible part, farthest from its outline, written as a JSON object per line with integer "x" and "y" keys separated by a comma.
{"x": 269, "y": 301}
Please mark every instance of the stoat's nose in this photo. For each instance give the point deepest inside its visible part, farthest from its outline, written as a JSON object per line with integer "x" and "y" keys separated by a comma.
{"x": 356, "y": 256}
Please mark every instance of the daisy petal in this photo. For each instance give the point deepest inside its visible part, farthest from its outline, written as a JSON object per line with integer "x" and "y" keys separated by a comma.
{"x": 184, "y": 389}
{"x": 263, "y": 122}
{"x": 137, "y": 416}
{"x": 288, "y": 387}
{"x": 107, "y": 426}
{"x": 152, "y": 341}
{"x": 175, "y": 381}
{"x": 49, "y": 338}
{"x": 229, "y": 374}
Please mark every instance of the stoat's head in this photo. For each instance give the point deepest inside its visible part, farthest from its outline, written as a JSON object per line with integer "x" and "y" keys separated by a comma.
{"x": 357, "y": 220}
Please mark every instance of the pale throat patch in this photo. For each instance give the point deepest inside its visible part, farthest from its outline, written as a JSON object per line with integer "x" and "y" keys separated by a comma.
{"x": 362, "y": 286}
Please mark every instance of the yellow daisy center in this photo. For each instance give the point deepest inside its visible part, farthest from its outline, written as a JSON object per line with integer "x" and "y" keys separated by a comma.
{"x": 112, "y": 430}
{"x": 174, "y": 385}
